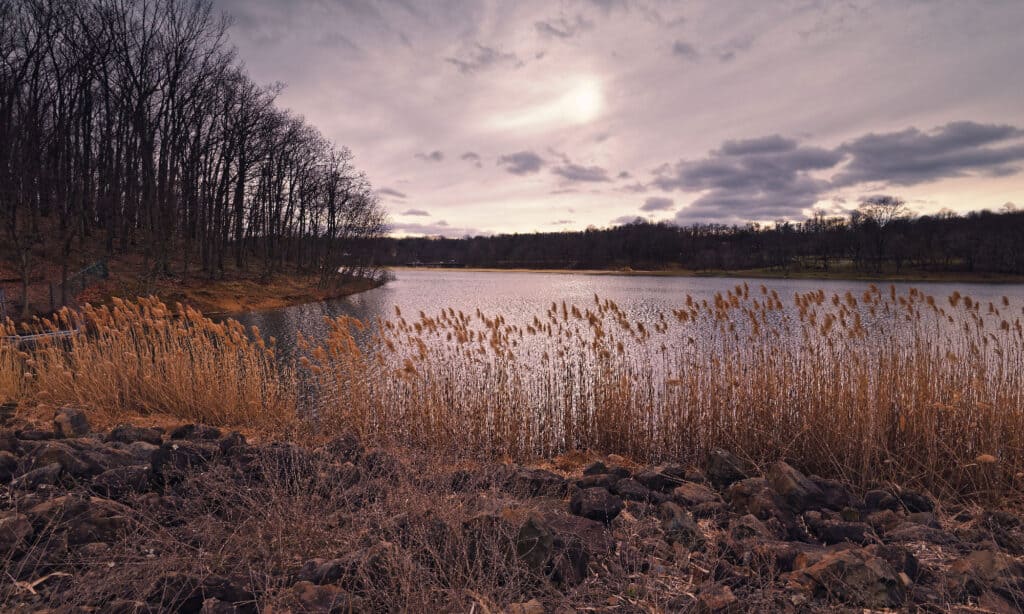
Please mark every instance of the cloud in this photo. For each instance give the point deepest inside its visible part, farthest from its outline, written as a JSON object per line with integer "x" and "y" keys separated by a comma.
{"x": 562, "y": 223}
{"x": 685, "y": 50}
{"x": 577, "y": 172}
{"x": 521, "y": 162}
{"x": 390, "y": 192}
{"x": 417, "y": 212}
{"x": 563, "y": 28}
{"x": 729, "y": 51}
{"x": 657, "y": 203}
{"x": 481, "y": 57}
{"x": 471, "y": 156}
{"x": 622, "y": 220}
{"x": 910, "y": 157}
{"x": 440, "y": 228}
{"x": 434, "y": 156}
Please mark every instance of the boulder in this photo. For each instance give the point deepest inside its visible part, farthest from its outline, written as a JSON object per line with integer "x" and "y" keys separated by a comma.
{"x": 601, "y": 480}
{"x": 691, "y": 493}
{"x": 47, "y": 475}
{"x": 632, "y": 490}
{"x": 128, "y": 434}
{"x": 15, "y": 531}
{"x": 195, "y": 432}
{"x": 525, "y": 607}
{"x": 344, "y": 448}
{"x": 70, "y": 422}
{"x": 838, "y": 531}
{"x": 595, "y": 468}
{"x": 8, "y": 466}
{"x": 122, "y": 482}
{"x": 534, "y": 482}
{"x": 723, "y": 468}
{"x": 717, "y": 599}
{"x": 679, "y": 526}
{"x": 877, "y": 500}
{"x": 535, "y": 543}
{"x": 175, "y": 458}
{"x": 983, "y": 570}
{"x": 851, "y": 578}
{"x": 914, "y": 501}
{"x": 307, "y": 598}
{"x": 662, "y": 478}
{"x": 595, "y": 504}
{"x": 796, "y": 489}
{"x": 748, "y": 527}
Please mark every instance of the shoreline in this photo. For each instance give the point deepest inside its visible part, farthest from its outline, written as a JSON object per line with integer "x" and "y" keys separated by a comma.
{"x": 914, "y": 277}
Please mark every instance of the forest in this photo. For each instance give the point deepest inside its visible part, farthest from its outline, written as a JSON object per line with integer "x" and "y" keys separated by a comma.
{"x": 880, "y": 236}
{"x": 131, "y": 127}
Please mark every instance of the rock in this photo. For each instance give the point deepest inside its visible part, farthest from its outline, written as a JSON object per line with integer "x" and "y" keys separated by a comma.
{"x": 195, "y": 432}
{"x": 662, "y": 478}
{"x": 70, "y": 422}
{"x": 679, "y": 526}
{"x": 48, "y": 475}
{"x": 755, "y": 496}
{"x": 690, "y": 493}
{"x": 796, "y": 489}
{"x": 838, "y": 531}
{"x": 601, "y": 480}
{"x": 717, "y": 598}
{"x": 876, "y": 500}
{"x": 8, "y": 466}
{"x": 525, "y": 607}
{"x": 927, "y": 519}
{"x": 378, "y": 463}
{"x": 175, "y": 458}
{"x": 595, "y": 504}
{"x": 908, "y": 532}
{"x": 914, "y": 501}
{"x": 595, "y": 468}
{"x": 852, "y": 578}
{"x": 901, "y": 559}
{"x": 723, "y": 468}
{"x": 15, "y": 531}
{"x": 534, "y": 482}
{"x": 835, "y": 494}
{"x": 309, "y": 598}
{"x": 184, "y": 592}
{"x": 35, "y": 435}
{"x": 121, "y": 482}
{"x": 884, "y": 520}
{"x": 982, "y": 570}
{"x": 631, "y": 490}
{"x": 142, "y": 451}
{"x": 128, "y": 434}
{"x": 86, "y": 520}
{"x": 747, "y": 527}
{"x": 535, "y": 543}
{"x": 328, "y": 571}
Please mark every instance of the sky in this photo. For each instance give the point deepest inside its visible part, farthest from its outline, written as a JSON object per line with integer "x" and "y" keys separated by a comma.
{"x": 497, "y": 116}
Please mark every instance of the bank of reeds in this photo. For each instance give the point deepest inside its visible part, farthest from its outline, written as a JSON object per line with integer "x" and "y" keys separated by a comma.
{"x": 874, "y": 387}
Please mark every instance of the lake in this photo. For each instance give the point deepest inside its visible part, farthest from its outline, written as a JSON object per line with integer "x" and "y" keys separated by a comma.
{"x": 519, "y": 296}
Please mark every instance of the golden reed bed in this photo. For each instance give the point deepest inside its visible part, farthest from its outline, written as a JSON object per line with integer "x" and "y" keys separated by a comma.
{"x": 873, "y": 387}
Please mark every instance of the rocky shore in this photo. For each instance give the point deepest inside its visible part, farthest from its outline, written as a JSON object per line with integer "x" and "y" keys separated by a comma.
{"x": 193, "y": 519}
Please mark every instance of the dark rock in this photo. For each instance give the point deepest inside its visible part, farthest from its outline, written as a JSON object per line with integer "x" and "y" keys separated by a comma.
{"x": 662, "y": 478}
{"x": 710, "y": 509}
{"x": 230, "y": 442}
{"x": 679, "y": 526}
{"x": 1001, "y": 519}
{"x": 70, "y": 422}
{"x": 755, "y": 496}
{"x": 884, "y": 520}
{"x": 121, "y": 482}
{"x": 601, "y": 480}
{"x": 576, "y": 541}
{"x": 916, "y": 502}
{"x": 183, "y": 592}
{"x": 723, "y": 468}
{"x": 983, "y": 570}
{"x": 796, "y": 489}
{"x": 534, "y": 482}
{"x": 852, "y": 578}
{"x": 717, "y": 598}
{"x": 595, "y": 504}
{"x": 378, "y": 463}
{"x": 691, "y": 493}
{"x": 10, "y": 443}
{"x": 86, "y": 520}
{"x": 535, "y": 543}
{"x": 308, "y": 598}
{"x": 328, "y": 571}
{"x": 835, "y": 494}
{"x": 195, "y": 432}
{"x": 838, "y": 531}
{"x": 908, "y": 532}
{"x": 175, "y": 458}
{"x": 48, "y": 475}
{"x": 8, "y": 466}
{"x": 901, "y": 559}
{"x": 35, "y": 435}
{"x": 747, "y": 527}
{"x": 876, "y": 500}
{"x": 595, "y": 468}
{"x": 927, "y": 519}
{"x": 142, "y": 451}
{"x": 128, "y": 434}
{"x": 631, "y": 490}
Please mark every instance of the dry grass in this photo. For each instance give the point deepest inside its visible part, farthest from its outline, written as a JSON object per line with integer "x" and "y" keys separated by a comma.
{"x": 870, "y": 388}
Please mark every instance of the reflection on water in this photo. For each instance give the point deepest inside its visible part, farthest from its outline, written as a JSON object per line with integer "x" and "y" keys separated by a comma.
{"x": 520, "y": 296}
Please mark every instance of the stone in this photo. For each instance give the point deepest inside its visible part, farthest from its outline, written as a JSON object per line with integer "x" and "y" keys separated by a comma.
{"x": 128, "y": 434}
{"x": 691, "y": 493}
{"x": 595, "y": 504}
{"x": 8, "y": 466}
{"x": 345, "y": 448}
{"x": 796, "y": 489}
{"x": 908, "y": 532}
{"x": 535, "y": 543}
{"x": 526, "y": 607}
{"x": 723, "y": 468}
{"x": 717, "y": 599}
{"x": 632, "y": 490}
{"x": 901, "y": 559}
{"x": 121, "y": 482}
{"x": 601, "y": 480}
{"x": 927, "y": 519}
{"x": 914, "y": 501}
{"x": 309, "y": 598}
{"x": 595, "y": 468}
{"x": 70, "y": 422}
{"x": 747, "y": 527}
{"x": 35, "y": 435}
{"x": 195, "y": 432}
{"x": 985, "y": 569}
{"x": 679, "y": 526}
{"x": 876, "y": 500}
{"x": 535, "y": 482}
{"x": 838, "y": 531}
{"x": 86, "y": 519}
{"x": 175, "y": 458}
{"x": 834, "y": 494}
{"x": 185, "y": 592}
{"x": 884, "y": 520}
{"x": 47, "y": 475}
{"x": 662, "y": 478}
{"x": 852, "y": 578}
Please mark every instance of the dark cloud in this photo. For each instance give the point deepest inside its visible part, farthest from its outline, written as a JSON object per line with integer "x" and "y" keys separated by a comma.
{"x": 577, "y": 172}
{"x": 390, "y": 192}
{"x": 766, "y": 144}
{"x": 657, "y": 203}
{"x": 481, "y": 57}
{"x": 471, "y": 156}
{"x": 685, "y": 50}
{"x": 521, "y": 162}
{"x": 563, "y": 28}
{"x": 627, "y": 219}
{"x": 731, "y": 49}
{"x": 623, "y": 175}
{"x": 441, "y": 228}
{"x": 608, "y": 5}
{"x": 416, "y": 212}
{"x": 434, "y": 156}
{"x": 910, "y": 157}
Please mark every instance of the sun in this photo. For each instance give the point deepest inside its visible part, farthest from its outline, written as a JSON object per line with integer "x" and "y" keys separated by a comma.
{"x": 584, "y": 102}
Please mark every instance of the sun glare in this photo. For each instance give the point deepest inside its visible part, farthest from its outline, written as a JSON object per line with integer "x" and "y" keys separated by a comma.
{"x": 581, "y": 104}
{"x": 584, "y": 102}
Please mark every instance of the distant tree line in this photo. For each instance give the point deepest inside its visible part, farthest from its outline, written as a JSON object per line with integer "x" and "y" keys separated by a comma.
{"x": 131, "y": 124}
{"x": 880, "y": 236}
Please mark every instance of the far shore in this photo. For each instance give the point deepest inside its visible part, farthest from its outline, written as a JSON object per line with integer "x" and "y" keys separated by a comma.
{"x": 836, "y": 275}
